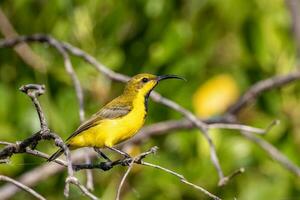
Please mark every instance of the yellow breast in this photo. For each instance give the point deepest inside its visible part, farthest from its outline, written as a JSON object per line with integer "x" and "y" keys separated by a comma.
{"x": 110, "y": 132}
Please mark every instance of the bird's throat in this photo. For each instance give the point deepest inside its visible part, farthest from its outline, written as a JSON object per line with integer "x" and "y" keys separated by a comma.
{"x": 146, "y": 101}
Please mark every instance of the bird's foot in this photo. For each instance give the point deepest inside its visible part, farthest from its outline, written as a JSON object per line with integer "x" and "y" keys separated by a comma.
{"x": 101, "y": 154}
{"x": 105, "y": 166}
{"x": 126, "y": 161}
{"x": 126, "y": 155}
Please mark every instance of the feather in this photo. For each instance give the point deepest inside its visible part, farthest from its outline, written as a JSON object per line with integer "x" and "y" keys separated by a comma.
{"x": 110, "y": 111}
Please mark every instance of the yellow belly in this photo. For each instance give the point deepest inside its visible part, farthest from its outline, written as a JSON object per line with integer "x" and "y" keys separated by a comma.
{"x": 110, "y": 132}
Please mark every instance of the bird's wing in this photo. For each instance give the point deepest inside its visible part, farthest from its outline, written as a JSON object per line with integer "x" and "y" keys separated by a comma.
{"x": 107, "y": 112}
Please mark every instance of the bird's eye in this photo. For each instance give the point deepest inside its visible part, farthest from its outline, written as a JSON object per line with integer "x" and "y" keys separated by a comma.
{"x": 145, "y": 80}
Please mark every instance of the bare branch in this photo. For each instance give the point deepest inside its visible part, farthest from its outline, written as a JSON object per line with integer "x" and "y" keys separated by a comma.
{"x": 182, "y": 179}
{"x": 22, "y": 186}
{"x": 89, "y": 173}
{"x": 33, "y": 177}
{"x": 70, "y": 178}
{"x": 68, "y": 47}
{"x": 37, "y": 154}
{"x": 83, "y": 189}
{"x": 123, "y": 180}
{"x": 139, "y": 160}
{"x": 241, "y": 127}
{"x": 165, "y": 127}
{"x": 273, "y": 152}
{"x": 33, "y": 91}
{"x": 226, "y": 179}
{"x": 257, "y": 89}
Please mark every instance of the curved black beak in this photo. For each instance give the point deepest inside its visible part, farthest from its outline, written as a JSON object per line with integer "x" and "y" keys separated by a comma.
{"x": 169, "y": 76}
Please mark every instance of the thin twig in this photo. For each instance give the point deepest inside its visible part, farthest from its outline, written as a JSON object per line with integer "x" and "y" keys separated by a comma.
{"x": 40, "y": 173}
{"x": 37, "y": 153}
{"x": 22, "y": 186}
{"x": 33, "y": 91}
{"x": 74, "y": 180}
{"x": 137, "y": 159}
{"x": 123, "y": 179}
{"x": 239, "y": 127}
{"x": 89, "y": 173}
{"x": 182, "y": 179}
{"x": 226, "y": 179}
{"x": 273, "y": 152}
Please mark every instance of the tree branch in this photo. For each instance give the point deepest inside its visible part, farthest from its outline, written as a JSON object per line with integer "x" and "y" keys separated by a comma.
{"x": 36, "y": 175}
{"x": 33, "y": 91}
{"x": 22, "y": 186}
{"x": 74, "y": 180}
{"x": 273, "y": 152}
{"x": 257, "y": 89}
{"x": 182, "y": 179}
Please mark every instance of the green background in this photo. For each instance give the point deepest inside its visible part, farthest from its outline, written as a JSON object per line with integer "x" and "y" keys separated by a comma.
{"x": 197, "y": 39}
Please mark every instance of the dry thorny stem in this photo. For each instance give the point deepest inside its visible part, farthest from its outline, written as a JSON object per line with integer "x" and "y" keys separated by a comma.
{"x": 227, "y": 121}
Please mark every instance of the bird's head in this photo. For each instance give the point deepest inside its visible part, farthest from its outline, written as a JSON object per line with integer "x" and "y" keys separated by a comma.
{"x": 144, "y": 83}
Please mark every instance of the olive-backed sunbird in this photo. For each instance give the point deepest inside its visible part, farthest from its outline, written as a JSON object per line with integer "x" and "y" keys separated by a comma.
{"x": 118, "y": 120}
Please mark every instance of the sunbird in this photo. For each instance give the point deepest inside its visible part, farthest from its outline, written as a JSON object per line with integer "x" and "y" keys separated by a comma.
{"x": 118, "y": 120}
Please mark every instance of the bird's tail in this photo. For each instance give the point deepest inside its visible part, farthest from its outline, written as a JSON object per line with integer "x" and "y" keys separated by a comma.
{"x": 56, "y": 155}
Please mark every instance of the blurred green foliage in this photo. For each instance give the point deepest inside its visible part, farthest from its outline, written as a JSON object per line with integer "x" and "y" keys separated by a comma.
{"x": 196, "y": 39}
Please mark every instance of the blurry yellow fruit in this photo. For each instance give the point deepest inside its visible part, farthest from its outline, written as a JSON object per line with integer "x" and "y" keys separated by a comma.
{"x": 215, "y": 95}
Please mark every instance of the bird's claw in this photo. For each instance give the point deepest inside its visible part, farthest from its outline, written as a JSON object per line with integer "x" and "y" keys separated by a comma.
{"x": 106, "y": 166}
{"x": 126, "y": 161}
